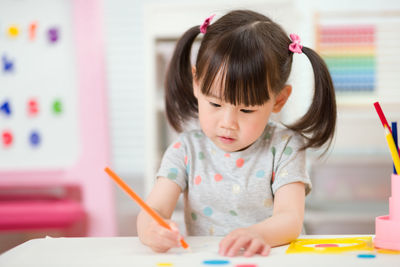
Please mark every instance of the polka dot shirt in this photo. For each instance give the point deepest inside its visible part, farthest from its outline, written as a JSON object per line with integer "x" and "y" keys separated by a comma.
{"x": 225, "y": 191}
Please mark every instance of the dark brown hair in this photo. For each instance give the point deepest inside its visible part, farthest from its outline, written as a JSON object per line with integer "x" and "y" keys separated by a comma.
{"x": 253, "y": 54}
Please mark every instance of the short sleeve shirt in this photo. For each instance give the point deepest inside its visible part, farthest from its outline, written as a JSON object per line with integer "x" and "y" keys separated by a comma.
{"x": 223, "y": 190}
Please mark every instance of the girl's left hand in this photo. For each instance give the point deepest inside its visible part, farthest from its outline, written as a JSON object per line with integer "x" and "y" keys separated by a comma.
{"x": 243, "y": 239}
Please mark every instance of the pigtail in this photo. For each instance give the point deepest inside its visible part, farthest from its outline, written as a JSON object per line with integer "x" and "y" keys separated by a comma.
{"x": 318, "y": 124}
{"x": 180, "y": 102}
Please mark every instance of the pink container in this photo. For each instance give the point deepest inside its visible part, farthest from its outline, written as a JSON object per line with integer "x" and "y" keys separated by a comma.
{"x": 387, "y": 228}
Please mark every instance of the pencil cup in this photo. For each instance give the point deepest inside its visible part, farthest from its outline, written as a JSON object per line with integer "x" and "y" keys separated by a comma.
{"x": 387, "y": 228}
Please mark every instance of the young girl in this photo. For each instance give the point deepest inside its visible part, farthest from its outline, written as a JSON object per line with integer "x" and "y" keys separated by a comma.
{"x": 242, "y": 175}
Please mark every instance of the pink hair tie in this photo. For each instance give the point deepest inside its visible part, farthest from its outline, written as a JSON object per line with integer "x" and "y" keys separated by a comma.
{"x": 206, "y": 23}
{"x": 295, "y": 46}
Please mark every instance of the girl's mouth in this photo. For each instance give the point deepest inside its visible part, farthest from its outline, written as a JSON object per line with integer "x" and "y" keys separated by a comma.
{"x": 226, "y": 140}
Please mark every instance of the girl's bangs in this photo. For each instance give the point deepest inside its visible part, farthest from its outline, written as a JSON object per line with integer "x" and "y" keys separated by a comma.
{"x": 236, "y": 72}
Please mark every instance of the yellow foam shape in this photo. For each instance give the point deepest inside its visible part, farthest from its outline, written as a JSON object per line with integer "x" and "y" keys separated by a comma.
{"x": 388, "y": 251}
{"x": 351, "y": 244}
{"x": 164, "y": 264}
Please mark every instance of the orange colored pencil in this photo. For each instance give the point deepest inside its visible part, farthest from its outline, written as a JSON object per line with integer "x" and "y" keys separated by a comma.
{"x": 141, "y": 203}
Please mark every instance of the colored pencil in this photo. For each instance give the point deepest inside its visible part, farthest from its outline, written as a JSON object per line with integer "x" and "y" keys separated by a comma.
{"x": 141, "y": 203}
{"x": 393, "y": 150}
{"x": 394, "y": 134}
{"x": 382, "y": 116}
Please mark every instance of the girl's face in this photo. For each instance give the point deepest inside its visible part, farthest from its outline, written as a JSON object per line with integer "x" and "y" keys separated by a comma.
{"x": 234, "y": 128}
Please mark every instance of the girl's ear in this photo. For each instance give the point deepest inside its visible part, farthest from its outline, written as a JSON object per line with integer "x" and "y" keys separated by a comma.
{"x": 281, "y": 98}
{"x": 195, "y": 82}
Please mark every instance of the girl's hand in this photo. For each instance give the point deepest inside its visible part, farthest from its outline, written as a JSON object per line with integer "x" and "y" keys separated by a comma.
{"x": 161, "y": 239}
{"x": 243, "y": 239}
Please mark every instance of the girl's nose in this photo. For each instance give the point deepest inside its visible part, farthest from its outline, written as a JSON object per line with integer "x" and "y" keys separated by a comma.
{"x": 229, "y": 120}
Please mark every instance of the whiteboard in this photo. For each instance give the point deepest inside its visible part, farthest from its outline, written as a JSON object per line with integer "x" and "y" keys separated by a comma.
{"x": 38, "y": 86}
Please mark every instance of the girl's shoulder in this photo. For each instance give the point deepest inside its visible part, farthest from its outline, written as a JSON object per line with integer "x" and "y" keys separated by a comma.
{"x": 191, "y": 137}
{"x": 194, "y": 134}
{"x": 278, "y": 132}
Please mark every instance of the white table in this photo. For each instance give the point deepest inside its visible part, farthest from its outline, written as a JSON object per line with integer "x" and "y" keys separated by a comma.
{"x": 128, "y": 251}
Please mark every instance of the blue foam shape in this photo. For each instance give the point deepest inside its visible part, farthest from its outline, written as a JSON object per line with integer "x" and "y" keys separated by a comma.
{"x": 366, "y": 256}
{"x": 216, "y": 262}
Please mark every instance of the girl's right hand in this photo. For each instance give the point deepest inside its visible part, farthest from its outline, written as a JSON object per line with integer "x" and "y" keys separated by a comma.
{"x": 161, "y": 239}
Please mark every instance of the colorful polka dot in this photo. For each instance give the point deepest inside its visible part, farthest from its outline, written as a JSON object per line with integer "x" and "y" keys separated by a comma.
{"x": 260, "y": 173}
{"x": 288, "y": 150}
{"x": 197, "y": 180}
{"x": 284, "y": 173}
{"x": 227, "y": 155}
{"x": 207, "y": 211}
{"x": 213, "y": 151}
{"x": 198, "y": 135}
{"x": 186, "y": 160}
{"x": 273, "y": 177}
{"x": 268, "y": 202}
{"x": 273, "y": 150}
{"x": 239, "y": 162}
{"x": 236, "y": 189}
{"x": 194, "y": 216}
{"x": 187, "y": 169}
{"x": 173, "y": 173}
{"x": 267, "y": 136}
{"x": 211, "y": 231}
{"x": 218, "y": 177}
{"x": 201, "y": 155}
{"x": 285, "y": 137}
{"x": 233, "y": 213}
{"x": 177, "y": 145}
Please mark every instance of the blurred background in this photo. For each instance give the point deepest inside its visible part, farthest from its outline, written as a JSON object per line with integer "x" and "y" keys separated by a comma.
{"x": 81, "y": 87}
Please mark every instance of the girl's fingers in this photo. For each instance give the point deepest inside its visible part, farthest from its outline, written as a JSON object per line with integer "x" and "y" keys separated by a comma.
{"x": 159, "y": 249}
{"x": 234, "y": 242}
{"x": 237, "y": 245}
{"x": 255, "y": 246}
{"x": 225, "y": 244}
{"x": 174, "y": 226}
{"x": 170, "y": 238}
{"x": 265, "y": 251}
{"x": 163, "y": 238}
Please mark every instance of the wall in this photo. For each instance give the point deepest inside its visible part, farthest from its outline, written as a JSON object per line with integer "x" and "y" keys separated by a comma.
{"x": 126, "y": 58}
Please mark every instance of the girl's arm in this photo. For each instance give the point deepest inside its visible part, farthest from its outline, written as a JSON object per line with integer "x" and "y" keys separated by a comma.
{"x": 162, "y": 199}
{"x": 281, "y": 228}
{"x": 286, "y": 222}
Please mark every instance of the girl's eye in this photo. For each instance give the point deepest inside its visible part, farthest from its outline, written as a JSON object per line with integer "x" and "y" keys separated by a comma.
{"x": 215, "y": 105}
{"x": 247, "y": 111}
